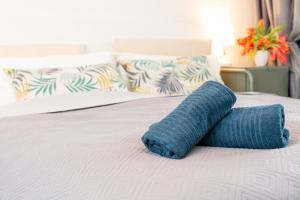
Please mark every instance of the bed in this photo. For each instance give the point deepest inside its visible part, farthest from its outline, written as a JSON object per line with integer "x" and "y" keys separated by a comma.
{"x": 78, "y": 148}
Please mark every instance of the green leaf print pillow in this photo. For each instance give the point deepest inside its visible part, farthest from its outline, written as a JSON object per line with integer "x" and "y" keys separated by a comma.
{"x": 168, "y": 77}
{"x": 31, "y": 83}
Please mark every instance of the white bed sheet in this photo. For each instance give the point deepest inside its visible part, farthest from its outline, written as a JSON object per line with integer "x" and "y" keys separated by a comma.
{"x": 72, "y": 101}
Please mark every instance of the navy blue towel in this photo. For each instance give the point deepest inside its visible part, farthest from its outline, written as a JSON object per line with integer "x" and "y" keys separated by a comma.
{"x": 260, "y": 127}
{"x": 182, "y": 129}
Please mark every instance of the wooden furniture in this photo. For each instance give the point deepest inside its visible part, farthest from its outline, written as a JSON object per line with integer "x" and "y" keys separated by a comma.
{"x": 273, "y": 80}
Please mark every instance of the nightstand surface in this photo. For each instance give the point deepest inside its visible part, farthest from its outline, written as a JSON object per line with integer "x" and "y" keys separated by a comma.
{"x": 273, "y": 80}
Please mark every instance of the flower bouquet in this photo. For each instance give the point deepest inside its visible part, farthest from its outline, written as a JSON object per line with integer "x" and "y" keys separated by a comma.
{"x": 261, "y": 42}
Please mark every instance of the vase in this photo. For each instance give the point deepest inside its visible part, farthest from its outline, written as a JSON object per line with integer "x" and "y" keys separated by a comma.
{"x": 261, "y": 58}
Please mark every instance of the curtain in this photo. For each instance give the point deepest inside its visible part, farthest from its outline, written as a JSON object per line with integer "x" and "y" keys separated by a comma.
{"x": 275, "y": 12}
{"x": 294, "y": 43}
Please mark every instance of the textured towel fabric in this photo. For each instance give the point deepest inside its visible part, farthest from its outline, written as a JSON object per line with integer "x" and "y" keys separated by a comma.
{"x": 176, "y": 134}
{"x": 260, "y": 127}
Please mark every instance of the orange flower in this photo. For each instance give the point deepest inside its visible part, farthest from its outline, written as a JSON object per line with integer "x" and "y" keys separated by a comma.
{"x": 248, "y": 47}
{"x": 249, "y": 37}
{"x": 261, "y": 23}
{"x": 274, "y": 54}
{"x": 283, "y": 45}
{"x": 281, "y": 51}
{"x": 284, "y": 50}
{"x": 242, "y": 41}
{"x": 282, "y": 58}
{"x": 263, "y": 42}
{"x": 251, "y": 31}
{"x": 282, "y": 38}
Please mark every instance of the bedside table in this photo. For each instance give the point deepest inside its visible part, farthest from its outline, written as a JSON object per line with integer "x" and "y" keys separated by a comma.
{"x": 273, "y": 80}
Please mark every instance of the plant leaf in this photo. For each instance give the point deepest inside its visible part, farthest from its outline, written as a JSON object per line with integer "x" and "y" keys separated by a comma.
{"x": 81, "y": 84}
{"x": 42, "y": 85}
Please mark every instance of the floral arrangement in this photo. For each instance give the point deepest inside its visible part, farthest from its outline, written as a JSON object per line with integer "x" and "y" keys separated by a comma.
{"x": 271, "y": 40}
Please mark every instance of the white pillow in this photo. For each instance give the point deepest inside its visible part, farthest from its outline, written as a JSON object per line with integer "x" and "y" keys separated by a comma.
{"x": 7, "y": 94}
{"x": 212, "y": 60}
{"x": 167, "y": 75}
{"x": 214, "y": 63}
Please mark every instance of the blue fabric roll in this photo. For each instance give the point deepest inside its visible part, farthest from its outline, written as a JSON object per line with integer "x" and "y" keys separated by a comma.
{"x": 182, "y": 129}
{"x": 260, "y": 127}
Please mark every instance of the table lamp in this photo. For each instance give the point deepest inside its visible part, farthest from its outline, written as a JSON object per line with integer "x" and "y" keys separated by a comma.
{"x": 222, "y": 38}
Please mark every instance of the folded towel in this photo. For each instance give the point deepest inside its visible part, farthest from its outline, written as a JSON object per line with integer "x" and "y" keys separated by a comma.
{"x": 176, "y": 134}
{"x": 260, "y": 127}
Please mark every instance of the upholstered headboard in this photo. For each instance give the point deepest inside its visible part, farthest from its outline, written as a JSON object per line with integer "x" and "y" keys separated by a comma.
{"x": 164, "y": 47}
{"x": 37, "y": 50}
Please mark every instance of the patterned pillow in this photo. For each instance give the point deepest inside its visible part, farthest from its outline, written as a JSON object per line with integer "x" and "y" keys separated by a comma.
{"x": 178, "y": 76}
{"x": 31, "y": 83}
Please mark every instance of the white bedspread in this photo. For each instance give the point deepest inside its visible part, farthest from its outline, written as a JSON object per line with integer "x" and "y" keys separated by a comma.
{"x": 97, "y": 154}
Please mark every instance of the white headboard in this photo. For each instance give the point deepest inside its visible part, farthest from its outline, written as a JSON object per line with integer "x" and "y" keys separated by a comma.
{"x": 164, "y": 47}
{"x": 38, "y": 50}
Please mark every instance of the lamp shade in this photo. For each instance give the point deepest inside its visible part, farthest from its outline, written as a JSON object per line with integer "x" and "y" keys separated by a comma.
{"x": 223, "y": 36}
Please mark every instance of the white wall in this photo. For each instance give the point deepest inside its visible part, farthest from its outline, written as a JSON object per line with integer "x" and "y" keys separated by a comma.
{"x": 97, "y": 22}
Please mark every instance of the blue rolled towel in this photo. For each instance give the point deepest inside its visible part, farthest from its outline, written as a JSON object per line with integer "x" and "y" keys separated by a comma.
{"x": 182, "y": 129}
{"x": 260, "y": 127}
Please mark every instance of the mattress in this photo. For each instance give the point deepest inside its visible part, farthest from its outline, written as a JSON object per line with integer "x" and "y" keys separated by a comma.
{"x": 97, "y": 153}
